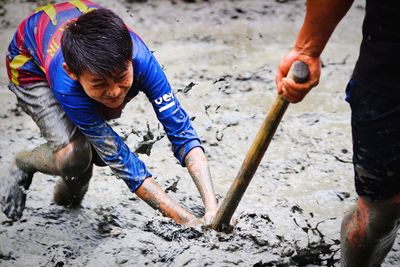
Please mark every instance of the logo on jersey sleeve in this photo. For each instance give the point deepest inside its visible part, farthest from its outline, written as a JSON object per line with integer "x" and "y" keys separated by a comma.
{"x": 165, "y": 102}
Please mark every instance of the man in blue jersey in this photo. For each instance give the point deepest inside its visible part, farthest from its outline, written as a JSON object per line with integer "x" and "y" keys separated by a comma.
{"x": 369, "y": 229}
{"x": 73, "y": 66}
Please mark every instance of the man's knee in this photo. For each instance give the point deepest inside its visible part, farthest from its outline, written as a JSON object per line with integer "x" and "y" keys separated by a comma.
{"x": 74, "y": 158}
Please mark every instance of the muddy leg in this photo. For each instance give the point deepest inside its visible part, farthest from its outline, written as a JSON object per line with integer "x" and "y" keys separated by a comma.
{"x": 73, "y": 160}
{"x": 13, "y": 191}
{"x": 69, "y": 191}
{"x": 369, "y": 231}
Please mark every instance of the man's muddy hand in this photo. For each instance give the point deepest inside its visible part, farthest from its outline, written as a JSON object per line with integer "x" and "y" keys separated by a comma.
{"x": 292, "y": 91}
{"x": 209, "y": 216}
{"x": 151, "y": 193}
{"x": 197, "y": 166}
{"x": 194, "y": 222}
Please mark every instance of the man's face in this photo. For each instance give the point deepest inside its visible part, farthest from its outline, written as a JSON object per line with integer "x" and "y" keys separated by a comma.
{"x": 110, "y": 91}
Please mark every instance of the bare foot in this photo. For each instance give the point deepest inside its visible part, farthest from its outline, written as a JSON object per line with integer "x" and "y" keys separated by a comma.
{"x": 13, "y": 190}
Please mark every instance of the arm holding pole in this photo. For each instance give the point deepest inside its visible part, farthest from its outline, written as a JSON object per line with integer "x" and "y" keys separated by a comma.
{"x": 320, "y": 21}
{"x": 299, "y": 72}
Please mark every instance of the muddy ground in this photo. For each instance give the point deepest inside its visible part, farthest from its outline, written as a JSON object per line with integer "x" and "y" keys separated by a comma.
{"x": 220, "y": 58}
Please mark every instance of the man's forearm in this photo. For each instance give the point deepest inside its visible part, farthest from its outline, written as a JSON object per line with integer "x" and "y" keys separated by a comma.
{"x": 152, "y": 194}
{"x": 322, "y": 17}
{"x": 197, "y": 166}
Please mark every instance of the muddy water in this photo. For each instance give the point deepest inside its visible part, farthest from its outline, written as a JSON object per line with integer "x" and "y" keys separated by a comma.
{"x": 291, "y": 212}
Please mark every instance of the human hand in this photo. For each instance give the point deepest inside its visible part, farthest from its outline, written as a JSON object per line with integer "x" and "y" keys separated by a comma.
{"x": 193, "y": 222}
{"x": 155, "y": 196}
{"x": 209, "y": 216}
{"x": 292, "y": 91}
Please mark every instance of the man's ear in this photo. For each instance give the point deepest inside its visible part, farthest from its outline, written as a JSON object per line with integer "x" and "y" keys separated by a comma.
{"x": 69, "y": 72}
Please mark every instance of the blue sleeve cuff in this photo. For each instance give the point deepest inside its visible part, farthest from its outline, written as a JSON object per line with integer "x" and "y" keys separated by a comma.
{"x": 137, "y": 181}
{"x": 181, "y": 153}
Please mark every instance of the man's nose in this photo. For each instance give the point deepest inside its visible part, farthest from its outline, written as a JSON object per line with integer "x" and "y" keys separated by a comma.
{"x": 114, "y": 91}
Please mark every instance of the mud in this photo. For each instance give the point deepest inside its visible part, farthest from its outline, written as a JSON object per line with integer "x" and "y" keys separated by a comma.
{"x": 220, "y": 56}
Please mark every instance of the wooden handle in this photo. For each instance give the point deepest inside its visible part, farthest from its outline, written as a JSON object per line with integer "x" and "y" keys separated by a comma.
{"x": 299, "y": 73}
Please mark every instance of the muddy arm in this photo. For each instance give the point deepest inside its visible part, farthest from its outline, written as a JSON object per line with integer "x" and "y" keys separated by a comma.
{"x": 197, "y": 166}
{"x": 152, "y": 194}
{"x": 319, "y": 24}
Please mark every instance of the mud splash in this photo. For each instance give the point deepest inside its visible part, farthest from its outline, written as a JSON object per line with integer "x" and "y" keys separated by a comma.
{"x": 255, "y": 234}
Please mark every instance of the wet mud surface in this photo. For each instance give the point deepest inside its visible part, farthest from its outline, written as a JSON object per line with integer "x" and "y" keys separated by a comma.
{"x": 220, "y": 58}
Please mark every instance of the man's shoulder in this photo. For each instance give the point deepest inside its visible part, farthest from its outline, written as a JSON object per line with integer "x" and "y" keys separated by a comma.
{"x": 140, "y": 50}
{"x": 142, "y": 57}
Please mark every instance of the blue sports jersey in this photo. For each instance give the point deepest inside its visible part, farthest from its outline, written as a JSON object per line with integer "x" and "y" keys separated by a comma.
{"x": 91, "y": 116}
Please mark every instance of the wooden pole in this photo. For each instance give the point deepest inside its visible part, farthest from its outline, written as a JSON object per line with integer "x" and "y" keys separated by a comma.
{"x": 299, "y": 73}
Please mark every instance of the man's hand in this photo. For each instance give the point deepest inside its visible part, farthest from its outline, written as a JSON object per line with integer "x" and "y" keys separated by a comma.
{"x": 197, "y": 166}
{"x": 152, "y": 194}
{"x": 209, "y": 216}
{"x": 295, "y": 92}
{"x": 319, "y": 23}
{"x": 194, "y": 222}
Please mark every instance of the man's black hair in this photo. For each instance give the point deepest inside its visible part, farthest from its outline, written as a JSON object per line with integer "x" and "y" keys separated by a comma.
{"x": 98, "y": 42}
